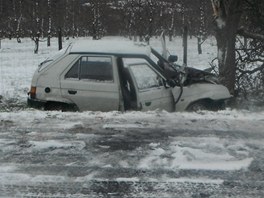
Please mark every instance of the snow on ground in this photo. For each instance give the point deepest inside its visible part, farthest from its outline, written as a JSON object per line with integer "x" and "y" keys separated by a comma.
{"x": 164, "y": 150}
{"x": 204, "y": 153}
{"x": 38, "y": 147}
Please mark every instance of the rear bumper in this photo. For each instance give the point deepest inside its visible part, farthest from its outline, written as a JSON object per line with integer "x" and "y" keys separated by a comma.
{"x": 35, "y": 103}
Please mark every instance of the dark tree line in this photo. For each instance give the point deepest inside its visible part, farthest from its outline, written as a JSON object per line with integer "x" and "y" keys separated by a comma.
{"x": 96, "y": 18}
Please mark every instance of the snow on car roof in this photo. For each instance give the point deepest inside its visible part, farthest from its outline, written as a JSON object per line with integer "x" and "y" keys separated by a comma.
{"x": 110, "y": 47}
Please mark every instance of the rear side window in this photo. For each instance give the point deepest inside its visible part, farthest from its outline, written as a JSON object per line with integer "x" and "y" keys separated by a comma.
{"x": 74, "y": 71}
{"x": 92, "y": 68}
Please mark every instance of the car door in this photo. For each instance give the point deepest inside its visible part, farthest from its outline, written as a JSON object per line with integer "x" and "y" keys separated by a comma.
{"x": 151, "y": 92}
{"x": 92, "y": 83}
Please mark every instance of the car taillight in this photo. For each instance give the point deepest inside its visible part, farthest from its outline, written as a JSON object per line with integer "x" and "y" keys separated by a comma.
{"x": 32, "y": 92}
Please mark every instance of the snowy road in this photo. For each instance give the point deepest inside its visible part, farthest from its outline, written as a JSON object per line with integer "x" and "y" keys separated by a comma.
{"x": 134, "y": 154}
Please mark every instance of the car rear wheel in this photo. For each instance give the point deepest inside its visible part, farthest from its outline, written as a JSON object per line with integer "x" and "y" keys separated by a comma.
{"x": 57, "y": 106}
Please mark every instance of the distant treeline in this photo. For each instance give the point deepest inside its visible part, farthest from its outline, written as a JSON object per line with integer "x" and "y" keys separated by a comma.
{"x": 142, "y": 18}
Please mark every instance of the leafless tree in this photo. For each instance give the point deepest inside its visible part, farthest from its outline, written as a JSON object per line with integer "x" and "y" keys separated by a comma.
{"x": 228, "y": 25}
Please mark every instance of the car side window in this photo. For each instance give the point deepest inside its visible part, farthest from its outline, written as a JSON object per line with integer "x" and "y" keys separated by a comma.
{"x": 145, "y": 77}
{"x": 74, "y": 71}
{"x": 92, "y": 68}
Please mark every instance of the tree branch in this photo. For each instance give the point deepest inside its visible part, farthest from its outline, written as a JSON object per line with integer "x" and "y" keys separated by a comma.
{"x": 246, "y": 34}
{"x": 243, "y": 72}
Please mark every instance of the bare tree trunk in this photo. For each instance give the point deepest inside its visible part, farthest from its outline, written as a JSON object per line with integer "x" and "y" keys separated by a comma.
{"x": 202, "y": 31}
{"x": 172, "y": 25}
{"x": 227, "y": 17}
{"x": 36, "y": 40}
{"x": 73, "y": 20}
{"x": 199, "y": 45}
{"x": 185, "y": 44}
{"x": 60, "y": 39}
{"x": 36, "y": 45}
{"x": 18, "y": 20}
{"x": 94, "y": 32}
{"x": 49, "y": 23}
{"x": 48, "y": 40}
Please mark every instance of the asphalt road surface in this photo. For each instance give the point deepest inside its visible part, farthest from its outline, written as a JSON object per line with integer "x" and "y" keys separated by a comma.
{"x": 67, "y": 155}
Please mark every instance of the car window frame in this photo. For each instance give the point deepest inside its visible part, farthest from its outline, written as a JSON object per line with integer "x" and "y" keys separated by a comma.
{"x": 78, "y": 59}
{"x": 136, "y": 82}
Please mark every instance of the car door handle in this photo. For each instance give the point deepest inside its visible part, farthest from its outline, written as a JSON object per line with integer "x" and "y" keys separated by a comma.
{"x": 72, "y": 92}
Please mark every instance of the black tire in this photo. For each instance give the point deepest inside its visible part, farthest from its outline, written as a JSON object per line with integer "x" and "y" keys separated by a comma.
{"x": 198, "y": 106}
{"x": 57, "y": 106}
{"x": 53, "y": 106}
{"x": 219, "y": 105}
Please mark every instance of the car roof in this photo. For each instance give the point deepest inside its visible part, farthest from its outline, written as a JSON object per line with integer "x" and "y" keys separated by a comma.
{"x": 109, "y": 47}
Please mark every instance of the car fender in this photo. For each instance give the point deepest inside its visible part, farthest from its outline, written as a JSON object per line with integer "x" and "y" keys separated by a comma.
{"x": 199, "y": 91}
{"x": 52, "y": 95}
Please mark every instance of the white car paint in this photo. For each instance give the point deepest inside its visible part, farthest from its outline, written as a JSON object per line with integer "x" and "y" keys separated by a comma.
{"x": 198, "y": 91}
{"x": 92, "y": 95}
{"x": 107, "y": 95}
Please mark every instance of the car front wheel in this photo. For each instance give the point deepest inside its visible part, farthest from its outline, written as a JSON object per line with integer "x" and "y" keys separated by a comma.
{"x": 198, "y": 106}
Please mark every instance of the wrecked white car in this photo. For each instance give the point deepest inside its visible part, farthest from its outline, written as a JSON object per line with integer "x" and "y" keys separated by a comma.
{"x": 111, "y": 76}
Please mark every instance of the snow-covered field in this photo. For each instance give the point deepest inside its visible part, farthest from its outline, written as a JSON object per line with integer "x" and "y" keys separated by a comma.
{"x": 114, "y": 154}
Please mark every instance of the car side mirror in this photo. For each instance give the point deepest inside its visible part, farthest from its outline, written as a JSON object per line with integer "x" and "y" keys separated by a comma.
{"x": 173, "y": 58}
